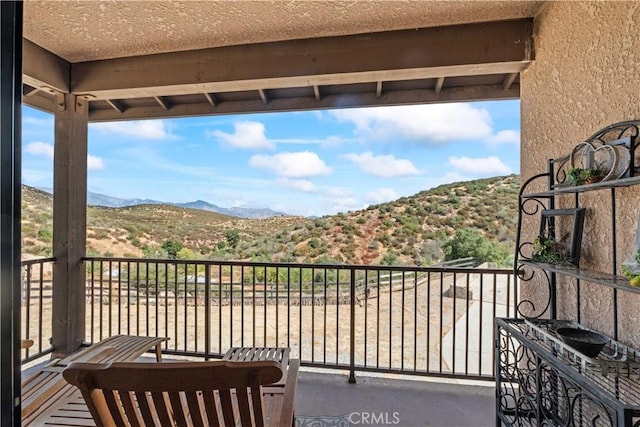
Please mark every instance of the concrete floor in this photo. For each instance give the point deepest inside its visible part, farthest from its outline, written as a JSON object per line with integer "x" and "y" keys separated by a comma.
{"x": 378, "y": 400}
{"x": 391, "y": 401}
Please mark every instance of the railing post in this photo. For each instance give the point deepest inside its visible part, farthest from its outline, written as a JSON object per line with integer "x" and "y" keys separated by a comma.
{"x": 207, "y": 311}
{"x": 352, "y": 327}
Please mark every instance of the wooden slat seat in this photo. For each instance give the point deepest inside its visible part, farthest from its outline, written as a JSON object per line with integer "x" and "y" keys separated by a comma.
{"x": 45, "y": 387}
{"x": 254, "y": 354}
{"x": 214, "y": 393}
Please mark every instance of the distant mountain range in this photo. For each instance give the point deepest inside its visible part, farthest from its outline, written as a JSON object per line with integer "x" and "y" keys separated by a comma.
{"x": 96, "y": 199}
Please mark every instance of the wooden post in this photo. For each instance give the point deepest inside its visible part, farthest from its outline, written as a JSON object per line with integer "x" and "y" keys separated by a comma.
{"x": 10, "y": 142}
{"x": 69, "y": 223}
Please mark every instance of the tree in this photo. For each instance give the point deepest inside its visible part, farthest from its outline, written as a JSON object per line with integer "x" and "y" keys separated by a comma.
{"x": 233, "y": 238}
{"x": 185, "y": 253}
{"x": 470, "y": 242}
{"x": 172, "y": 247}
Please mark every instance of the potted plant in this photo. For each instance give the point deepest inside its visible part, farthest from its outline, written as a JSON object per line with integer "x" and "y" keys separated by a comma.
{"x": 548, "y": 251}
{"x": 581, "y": 176}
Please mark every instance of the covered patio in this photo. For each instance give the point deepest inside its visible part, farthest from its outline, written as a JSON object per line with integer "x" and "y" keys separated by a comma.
{"x": 574, "y": 67}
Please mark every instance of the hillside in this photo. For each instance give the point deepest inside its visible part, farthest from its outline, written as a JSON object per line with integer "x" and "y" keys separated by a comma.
{"x": 411, "y": 230}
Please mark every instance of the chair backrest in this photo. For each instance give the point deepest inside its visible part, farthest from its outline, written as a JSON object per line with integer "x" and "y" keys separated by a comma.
{"x": 211, "y": 393}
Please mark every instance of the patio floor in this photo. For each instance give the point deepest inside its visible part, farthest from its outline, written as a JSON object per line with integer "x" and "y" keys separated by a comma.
{"x": 383, "y": 400}
{"x": 378, "y": 399}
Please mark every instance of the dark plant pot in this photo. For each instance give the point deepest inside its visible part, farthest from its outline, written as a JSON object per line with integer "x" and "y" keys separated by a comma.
{"x": 586, "y": 342}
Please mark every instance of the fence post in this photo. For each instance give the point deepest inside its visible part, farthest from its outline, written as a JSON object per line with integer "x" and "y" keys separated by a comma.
{"x": 352, "y": 327}
{"x": 207, "y": 311}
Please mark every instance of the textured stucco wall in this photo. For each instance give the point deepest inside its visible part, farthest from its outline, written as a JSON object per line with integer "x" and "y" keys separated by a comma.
{"x": 586, "y": 75}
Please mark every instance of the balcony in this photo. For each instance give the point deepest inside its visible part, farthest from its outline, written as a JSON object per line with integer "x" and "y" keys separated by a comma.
{"x": 362, "y": 320}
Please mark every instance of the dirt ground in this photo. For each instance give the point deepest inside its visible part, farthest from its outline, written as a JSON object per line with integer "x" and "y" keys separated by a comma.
{"x": 395, "y": 330}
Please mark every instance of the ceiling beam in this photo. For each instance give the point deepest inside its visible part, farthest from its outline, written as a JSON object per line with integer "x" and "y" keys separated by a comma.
{"x": 439, "y": 83}
{"x": 162, "y": 102}
{"x": 378, "y": 89}
{"x": 44, "y": 70}
{"x": 473, "y": 49}
{"x": 508, "y": 81}
{"x": 263, "y": 96}
{"x": 211, "y": 99}
{"x": 316, "y": 92}
{"x": 116, "y": 105}
{"x": 405, "y": 97}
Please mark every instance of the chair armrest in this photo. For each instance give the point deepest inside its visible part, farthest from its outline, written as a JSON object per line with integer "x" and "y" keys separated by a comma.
{"x": 288, "y": 405}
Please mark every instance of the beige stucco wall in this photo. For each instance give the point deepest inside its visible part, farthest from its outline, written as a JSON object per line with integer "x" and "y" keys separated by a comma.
{"x": 586, "y": 75}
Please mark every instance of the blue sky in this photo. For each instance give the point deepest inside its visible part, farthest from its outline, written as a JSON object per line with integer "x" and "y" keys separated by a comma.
{"x": 302, "y": 163}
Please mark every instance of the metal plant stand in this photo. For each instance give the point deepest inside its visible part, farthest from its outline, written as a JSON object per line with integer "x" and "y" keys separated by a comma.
{"x": 540, "y": 380}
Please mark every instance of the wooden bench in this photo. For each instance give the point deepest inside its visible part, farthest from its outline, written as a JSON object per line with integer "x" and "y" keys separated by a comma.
{"x": 255, "y": 354}
{"x": 44, "y": 388}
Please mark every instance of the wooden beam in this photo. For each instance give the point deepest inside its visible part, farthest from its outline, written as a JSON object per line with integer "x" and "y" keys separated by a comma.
{"x": 474, "y": 49}
{"x": 43, "y": 69}
{"x": 439, "y": 83}
{"x": 508, "y": 81}
{"x": 316, "y": 92}
{"x": 162, "y": 102}
{"x": 116, "y": 105}
{"x": 29, "y": 91}
{"x": 211, "y": 99}
{"x": 405, "y": 97}
{"x": 263, "y": 96}
{"x": 69, "y": 223}
{"x": 378, "y": 89}
{"x": 40, "y": 100}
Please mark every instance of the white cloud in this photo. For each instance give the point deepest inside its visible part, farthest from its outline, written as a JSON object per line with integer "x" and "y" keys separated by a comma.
{"x": 301, "y": 164}
{"x": 40, "y": 149}
{"x": 94, "y": 162}
{"x": 504, "y": 137}
{"x": 43, "y": 149}
{"x": 382, "y": 195}
{"x": 37, "y": 176}
{"x": 429, "y": 124}
{"x": 246, "y": 135}
{"x": 480, "y": 166}
{"x": 385, "y": 166}
{"x": 144, "y": 129}
{"x": 298, "y": 184}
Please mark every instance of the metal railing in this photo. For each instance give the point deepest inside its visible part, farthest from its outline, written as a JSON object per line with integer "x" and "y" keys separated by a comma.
{"x": 37, "y": 281}
{"x": 411, "y": 320}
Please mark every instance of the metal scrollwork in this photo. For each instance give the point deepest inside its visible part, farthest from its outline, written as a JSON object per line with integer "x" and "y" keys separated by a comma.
{"x": 533, "y": 392}
{"x": 533, "y": 312}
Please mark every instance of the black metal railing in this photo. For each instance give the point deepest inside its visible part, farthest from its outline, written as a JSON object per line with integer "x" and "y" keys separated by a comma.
{"x": 37, "y": 280}
{"x": 410, "y": 320}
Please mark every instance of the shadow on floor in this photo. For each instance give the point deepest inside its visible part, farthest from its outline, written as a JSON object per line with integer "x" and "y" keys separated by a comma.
{"x": 399, "y": 402}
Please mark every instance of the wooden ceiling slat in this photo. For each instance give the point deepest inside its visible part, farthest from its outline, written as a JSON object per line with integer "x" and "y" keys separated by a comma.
{"x": 331, "y": 98}
{"x": 508, "y": 81}
{"x": 211, "y": 99}
{"x": 473, "y": 49}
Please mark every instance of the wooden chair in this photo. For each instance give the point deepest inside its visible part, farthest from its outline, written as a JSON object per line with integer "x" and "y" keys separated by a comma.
{"x": 214, "y": 393}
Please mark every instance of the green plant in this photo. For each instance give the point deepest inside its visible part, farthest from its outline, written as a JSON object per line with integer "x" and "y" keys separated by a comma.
{"x": 633, "y": 276}
{"x": 548, "y": 251}
{"x": 580, "y": 176}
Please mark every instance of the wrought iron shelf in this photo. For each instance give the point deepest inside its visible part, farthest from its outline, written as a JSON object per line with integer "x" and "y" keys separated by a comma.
{"x": 540, "y": 382}
{"x": 592, "y": 276}
{"x": 623, "y": 182}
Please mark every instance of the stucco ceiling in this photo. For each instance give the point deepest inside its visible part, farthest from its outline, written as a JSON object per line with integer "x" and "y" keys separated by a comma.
{"x": 141, "y": 59}
{"x": 90, "y": 30}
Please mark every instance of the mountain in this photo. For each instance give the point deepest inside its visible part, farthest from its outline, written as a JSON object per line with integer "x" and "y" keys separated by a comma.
{"x": 411, "y": 230}
{"x": 235, "y": 211}
{"x": 96, "y": 199}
